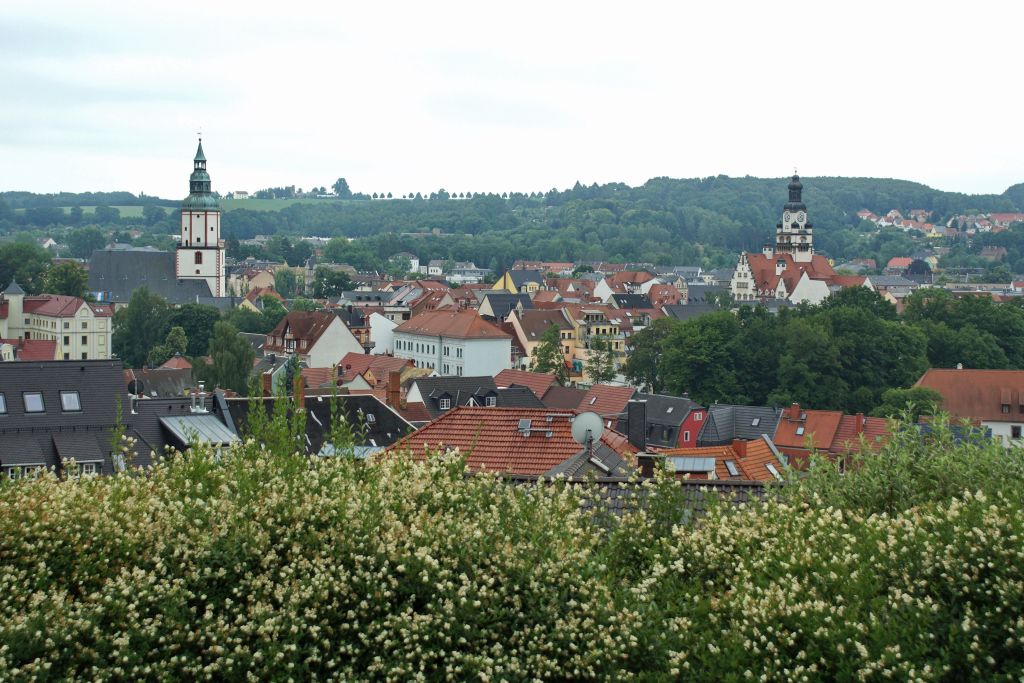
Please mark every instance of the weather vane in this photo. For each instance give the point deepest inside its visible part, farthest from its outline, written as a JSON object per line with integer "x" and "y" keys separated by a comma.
{"x": 200, "y": 134}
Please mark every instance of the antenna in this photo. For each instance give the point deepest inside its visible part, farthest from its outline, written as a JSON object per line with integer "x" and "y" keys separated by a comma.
{"x": 587, "y": 427}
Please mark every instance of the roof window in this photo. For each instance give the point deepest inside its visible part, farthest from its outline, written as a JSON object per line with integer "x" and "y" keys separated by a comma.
{"x": 3, "y": 404}
{"x": 670, "y": 409}
{"x": 756, "y": 421}
{"x": 731, "y": 466}
{"x": 593, "y": 400}
{"x": 800, "y": 430}
{"x": 33, "y": 402}
{"x": 774, "y": 471}
{"x": 70, "y": 402}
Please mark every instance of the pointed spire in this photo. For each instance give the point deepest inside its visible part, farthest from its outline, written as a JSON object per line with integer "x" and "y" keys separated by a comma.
{"x": 200, "y": 194}
{"x": 14, "y": 289}
{"x": 199, "y": 152}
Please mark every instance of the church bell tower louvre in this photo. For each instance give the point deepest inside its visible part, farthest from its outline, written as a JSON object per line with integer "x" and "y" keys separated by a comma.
{"x": 200, "y": 252}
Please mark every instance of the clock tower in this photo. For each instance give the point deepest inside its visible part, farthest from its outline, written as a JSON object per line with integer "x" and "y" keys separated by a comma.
{"x": 794, "y": 234}
{"x": 200, "y": 253}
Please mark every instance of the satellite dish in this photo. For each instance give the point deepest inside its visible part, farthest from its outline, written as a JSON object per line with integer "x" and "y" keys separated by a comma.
{"x": 586, "y": 426}
{"x": 135, "y": 387}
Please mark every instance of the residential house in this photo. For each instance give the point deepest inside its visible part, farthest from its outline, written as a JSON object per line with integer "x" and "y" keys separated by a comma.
{"x": 467, "y": 273}
{"x": 382, "y": 333}
{"x": 319, "y": 338}
{"x": 496, "y": 306}
{"x": 520, "y": 281}
{"x": 537, "y": 382}
{"x": 454, "y": 343}
{"x": 726, "y": 423}
{"x": 27, "y": 350}
{"x": 530, "y": 326}
{"x": 442, "y": 394}
{"x": 671, "y": 421}
{"x": 993, "y": 397}
{"x": 607, "y": 401}
{"x": 529, "y": 442}
{"x": 253, "y": 301}
{"x": 81, "y": 330}
{"x": 755, "y": 460}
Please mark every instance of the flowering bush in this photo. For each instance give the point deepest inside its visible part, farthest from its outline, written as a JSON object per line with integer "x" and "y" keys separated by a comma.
{"x": 251, "y": 565}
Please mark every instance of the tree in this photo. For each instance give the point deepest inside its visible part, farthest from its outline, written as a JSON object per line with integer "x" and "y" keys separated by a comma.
{"x": 232, "y": 358}
{"x": 643, "y": 365}
{"x": 341, "y": 189}
{"x": 66, "y": 278}
{"x": 286, "y": 282}
{"x": 25, "y": 262}
{"x": 547, "y": 356}
{"x": 601, "y": 362}
{"x": 140, "y": 326}
{"x": 197, "y": 320}
{"x": 107, "y": 214}
{"x": 328, "y": 283}
{"x": 81, "y": 243}
{"x": 916, "y": 401}
{"x": 175, "y": 344}
{"x": 152, "y": 215}
{"x": 305, "y": 305}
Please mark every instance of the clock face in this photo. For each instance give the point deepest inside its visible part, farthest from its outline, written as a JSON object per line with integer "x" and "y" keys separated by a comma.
{"x": 785, "y": 217}
{"x": 801, "y": 216}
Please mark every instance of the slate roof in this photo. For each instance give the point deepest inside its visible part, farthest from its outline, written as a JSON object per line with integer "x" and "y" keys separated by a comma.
{"x": 724, "y": 422}
{"x": 535, "y": 323}
{"x": 685, "y": 312}
{"x": 383, "y": 426}
{"x": 115, "y": 274}
{"x": 518, "y": 397}
{"x": 28, "y": 438}
{"x": 510, "y": 440}
{"x": 664, "y": 415}
{"x": 521, "y": 277}
{"x": 566, "y": 398}
{"x": 457, "y": 389}
{"x": 452, "y": 324}
{"x": 631, "y": 300}
{"x": 503, "y": 303}
{"x": 698, "y": 294}
{"x": 159, "y": 382}
{"x": 148, "y": 424}
{"x": 537, "y": 382}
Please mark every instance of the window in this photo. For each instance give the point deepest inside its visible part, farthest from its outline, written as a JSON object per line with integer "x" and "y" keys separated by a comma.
{"x": 3, "y": 404}
{"x": 774, "y": 471}
{"x": 67, "y": 356}
{"x": 33, "y": 401}
{"x": 23, "y": 471}
{"x": 89, "y": 468}
{"x": 85, "y": 356}
{"x": 67, "y": 340}
{"x": 1006, "y": 408}
{"x": 800, "y": 431}
{"x": 686, "y": 436}
{"x": 756, "y": 421}
{"x": 67, "y": 326}
{"x": 670, "y": 409}
{"x": 445, "y": 403}
{"x": 371, "y": 418}
{"x": 493, "y": 401}
{"x": 85, "y": 340}
{"x": 85, "y": 325}
{"x": 698, "y": 416}
{"x": 199, "y": 257}
{"x": 731, "y": 466}
{"x": 70, "y": 401}
{"x": 1015, "y": 432}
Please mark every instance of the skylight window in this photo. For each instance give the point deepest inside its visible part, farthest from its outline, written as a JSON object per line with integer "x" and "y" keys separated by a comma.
{"x": 33, "y": 402}
{"x": 593, "y": 400}
{"x": 70, "y": 401}
{"x": 670, "y": 409}
{"x": 756, "y": 421}
{"x": 774, "y": 471}
{"x": 800, "y": 431}
{"x": 3, "y": 404}
{"x": 731, "y": 466}
{"x": 371, "y": 418}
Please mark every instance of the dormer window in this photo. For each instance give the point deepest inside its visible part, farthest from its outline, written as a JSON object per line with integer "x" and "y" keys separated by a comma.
{"x": 444, "y": 403}
{"x": 492, "y": 401}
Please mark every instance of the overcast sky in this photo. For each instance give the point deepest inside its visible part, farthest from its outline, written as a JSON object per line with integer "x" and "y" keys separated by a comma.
{"x": 524, "y": 96}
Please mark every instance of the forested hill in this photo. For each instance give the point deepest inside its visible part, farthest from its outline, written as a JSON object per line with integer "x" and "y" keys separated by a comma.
{"x": 663, "y": 221}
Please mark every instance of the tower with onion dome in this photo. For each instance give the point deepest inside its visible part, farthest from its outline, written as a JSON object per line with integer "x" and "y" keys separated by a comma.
{"x": 200, "y": 253}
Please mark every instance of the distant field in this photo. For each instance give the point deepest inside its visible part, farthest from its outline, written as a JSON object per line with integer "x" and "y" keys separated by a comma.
{"x": 226, "y": 205}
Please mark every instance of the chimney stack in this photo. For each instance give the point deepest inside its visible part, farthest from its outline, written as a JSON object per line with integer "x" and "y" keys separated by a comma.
{"x": 860, "y": 423}
{"x": 794, "y": 412}
{"x": 394, "y": 395}
{"x": 267, "y": 384}
{"x": 636, "y": 424}
{"x": 740, "y": 446}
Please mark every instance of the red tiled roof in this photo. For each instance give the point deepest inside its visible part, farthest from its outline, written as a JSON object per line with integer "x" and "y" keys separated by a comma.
{"x": 352, "y": 364}
{"x": 414, "y": 412}
{"x": 978, "y": 394}
{"x": 537, "y": 382}
{"x": 565, "y": 398}
{"x": 607, "y": 401}
{"x": 260, "y": 292}
{"x": 61, "y": 306}
{"x": 763, "y": 268}
{"x": 874, "y": 429}
{"x": 849, "y": 280}
{"x": 318, "y": 377}
{"x": 491, "y": 440}
{"x": 546, "y": 295}
{"x": 454, "y": 324}
{"x": 177, "y": 362}
{"x": 33, "y": 349}
{"x": 899, "y": 262}
{"x": 307, "y": 325}
{"x": 819, "y": 426}
{"x": 750, "y": 458}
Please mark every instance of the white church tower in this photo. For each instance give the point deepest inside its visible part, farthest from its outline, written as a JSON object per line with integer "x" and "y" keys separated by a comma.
{"x": 795, "y": 234}
{"x": 200, "y": 253}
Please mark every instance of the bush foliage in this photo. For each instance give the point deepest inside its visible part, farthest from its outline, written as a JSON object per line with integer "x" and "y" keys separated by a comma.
{"x": 252, "y": 564}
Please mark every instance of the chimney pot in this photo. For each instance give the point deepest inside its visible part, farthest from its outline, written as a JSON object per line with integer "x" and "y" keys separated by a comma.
{"x": 860, "y": 421}
{"x": 740, "y": 446}
{"x": 794, "y": 412}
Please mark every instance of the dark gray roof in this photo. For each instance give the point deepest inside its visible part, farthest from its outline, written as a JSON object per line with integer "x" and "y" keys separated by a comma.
{"x": 563, "y": 397}
{"x": 83, "y": 434}
{"x": 146, "y": 421}
{"x": 631, "y": 300}
{"x": 521, "y": 277}
{"x": 722, "y": 274}
{"x": 727, "y": 422}
{"x": 459, "y": 390}
{"x": 664, "y": 417}
{"x": 160, "y": 382}
{"x": 518, "y": 397}
{"x": 603, "y": 462}
{"x": 681, "y": 312}
{"x": 698, "y": 294}
{"x": 502, "y": 303}
{"x": 256, "y": 341}
{"x": 382, "y": 425}
{"x": 891, "y": 281}
{"x": 14, "y": 288}
{"x": 115, "y": 274}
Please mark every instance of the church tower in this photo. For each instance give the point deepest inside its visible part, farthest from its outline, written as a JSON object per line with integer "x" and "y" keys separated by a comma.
{"x": 795, "y": 235}
{"x": 200, "y": 253}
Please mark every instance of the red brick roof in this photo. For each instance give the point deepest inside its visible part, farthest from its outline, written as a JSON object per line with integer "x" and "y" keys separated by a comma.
{"x": 318, "y": 377}
{"x": 874, "y": 429}
{"x": 750, "y": 458}
{"x": 537, "y": 382}
{"x": 33, "y": 349}
{"x": 978, "y": 394}
{"x": 899, "y": 262}
{"x": 413, "y": 412}
{"x": 260, "y": 292}
{"x": 492, "y": 441}
{"x": 798, "y": 427}
{"x": 607, "y": 401}
{"x": 177, "y": 362}
{"x": 454, "y": 324}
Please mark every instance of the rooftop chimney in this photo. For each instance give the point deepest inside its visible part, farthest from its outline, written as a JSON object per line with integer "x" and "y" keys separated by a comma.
{"x": 636, "y": 424}
{"x": 394, "y": 395}
{"x": 860, "y": 423}
{"x": 267, "y": 384}
{"x": 794, "y": 412}
{"x": 740, "y": 446}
